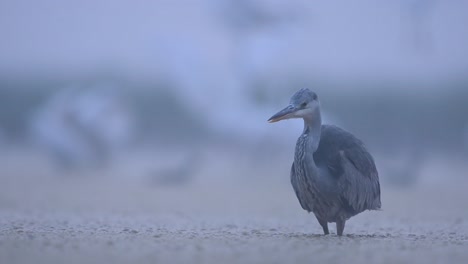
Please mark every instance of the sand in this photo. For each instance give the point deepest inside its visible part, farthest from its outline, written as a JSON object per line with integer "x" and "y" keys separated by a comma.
{"x": 118, "y": 216}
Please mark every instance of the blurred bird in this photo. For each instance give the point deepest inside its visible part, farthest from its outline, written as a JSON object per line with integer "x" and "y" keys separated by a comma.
{"x": 82, "y": 128}
{"x": 403, "y": 167}
{"x": 178, "y": 175}
{"x": 333, "y": 175}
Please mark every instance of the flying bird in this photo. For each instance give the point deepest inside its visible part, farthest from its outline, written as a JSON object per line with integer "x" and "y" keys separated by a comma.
{"x": 333, "y": 175}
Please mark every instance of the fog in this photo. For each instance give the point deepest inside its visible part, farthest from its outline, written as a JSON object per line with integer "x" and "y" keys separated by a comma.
{"x": 158, "y": 110}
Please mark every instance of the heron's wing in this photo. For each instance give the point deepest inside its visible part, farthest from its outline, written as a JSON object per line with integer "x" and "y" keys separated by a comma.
{"x": 295, "y": 185}
{"x": 359, "y": 181}
{"x": 353, "y": 167}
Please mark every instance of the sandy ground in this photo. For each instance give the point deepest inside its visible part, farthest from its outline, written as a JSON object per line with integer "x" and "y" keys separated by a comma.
{"x": 228, "y": 213}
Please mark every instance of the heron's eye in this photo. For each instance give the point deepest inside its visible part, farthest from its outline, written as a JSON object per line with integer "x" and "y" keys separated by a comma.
{"x": 303, "y": 104}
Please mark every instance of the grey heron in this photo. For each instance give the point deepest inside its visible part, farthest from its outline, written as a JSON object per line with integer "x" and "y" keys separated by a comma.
{"x": 333, "y": 175}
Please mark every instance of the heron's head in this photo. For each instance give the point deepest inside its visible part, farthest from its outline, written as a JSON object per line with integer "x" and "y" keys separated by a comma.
{"x": 304, "y": 104}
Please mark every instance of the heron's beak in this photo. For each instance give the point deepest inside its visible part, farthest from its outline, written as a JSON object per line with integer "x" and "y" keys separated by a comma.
{"x": 283, "y": 114}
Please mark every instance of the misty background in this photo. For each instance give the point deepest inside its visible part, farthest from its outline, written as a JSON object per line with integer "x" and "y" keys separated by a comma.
{"x": 119, "y": 104}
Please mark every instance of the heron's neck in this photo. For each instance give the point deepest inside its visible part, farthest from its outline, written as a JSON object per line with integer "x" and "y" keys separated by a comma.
{"x": 313, "y": 128}
{"x": 306, "y": 146}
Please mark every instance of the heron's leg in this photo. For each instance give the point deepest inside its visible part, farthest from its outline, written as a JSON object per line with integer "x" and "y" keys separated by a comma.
{"x": 324, "y": 225}
{"x": 340, "y": 226}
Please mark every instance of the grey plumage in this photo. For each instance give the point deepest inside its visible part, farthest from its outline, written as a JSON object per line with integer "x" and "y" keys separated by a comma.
{"x": 333, "y": 175}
